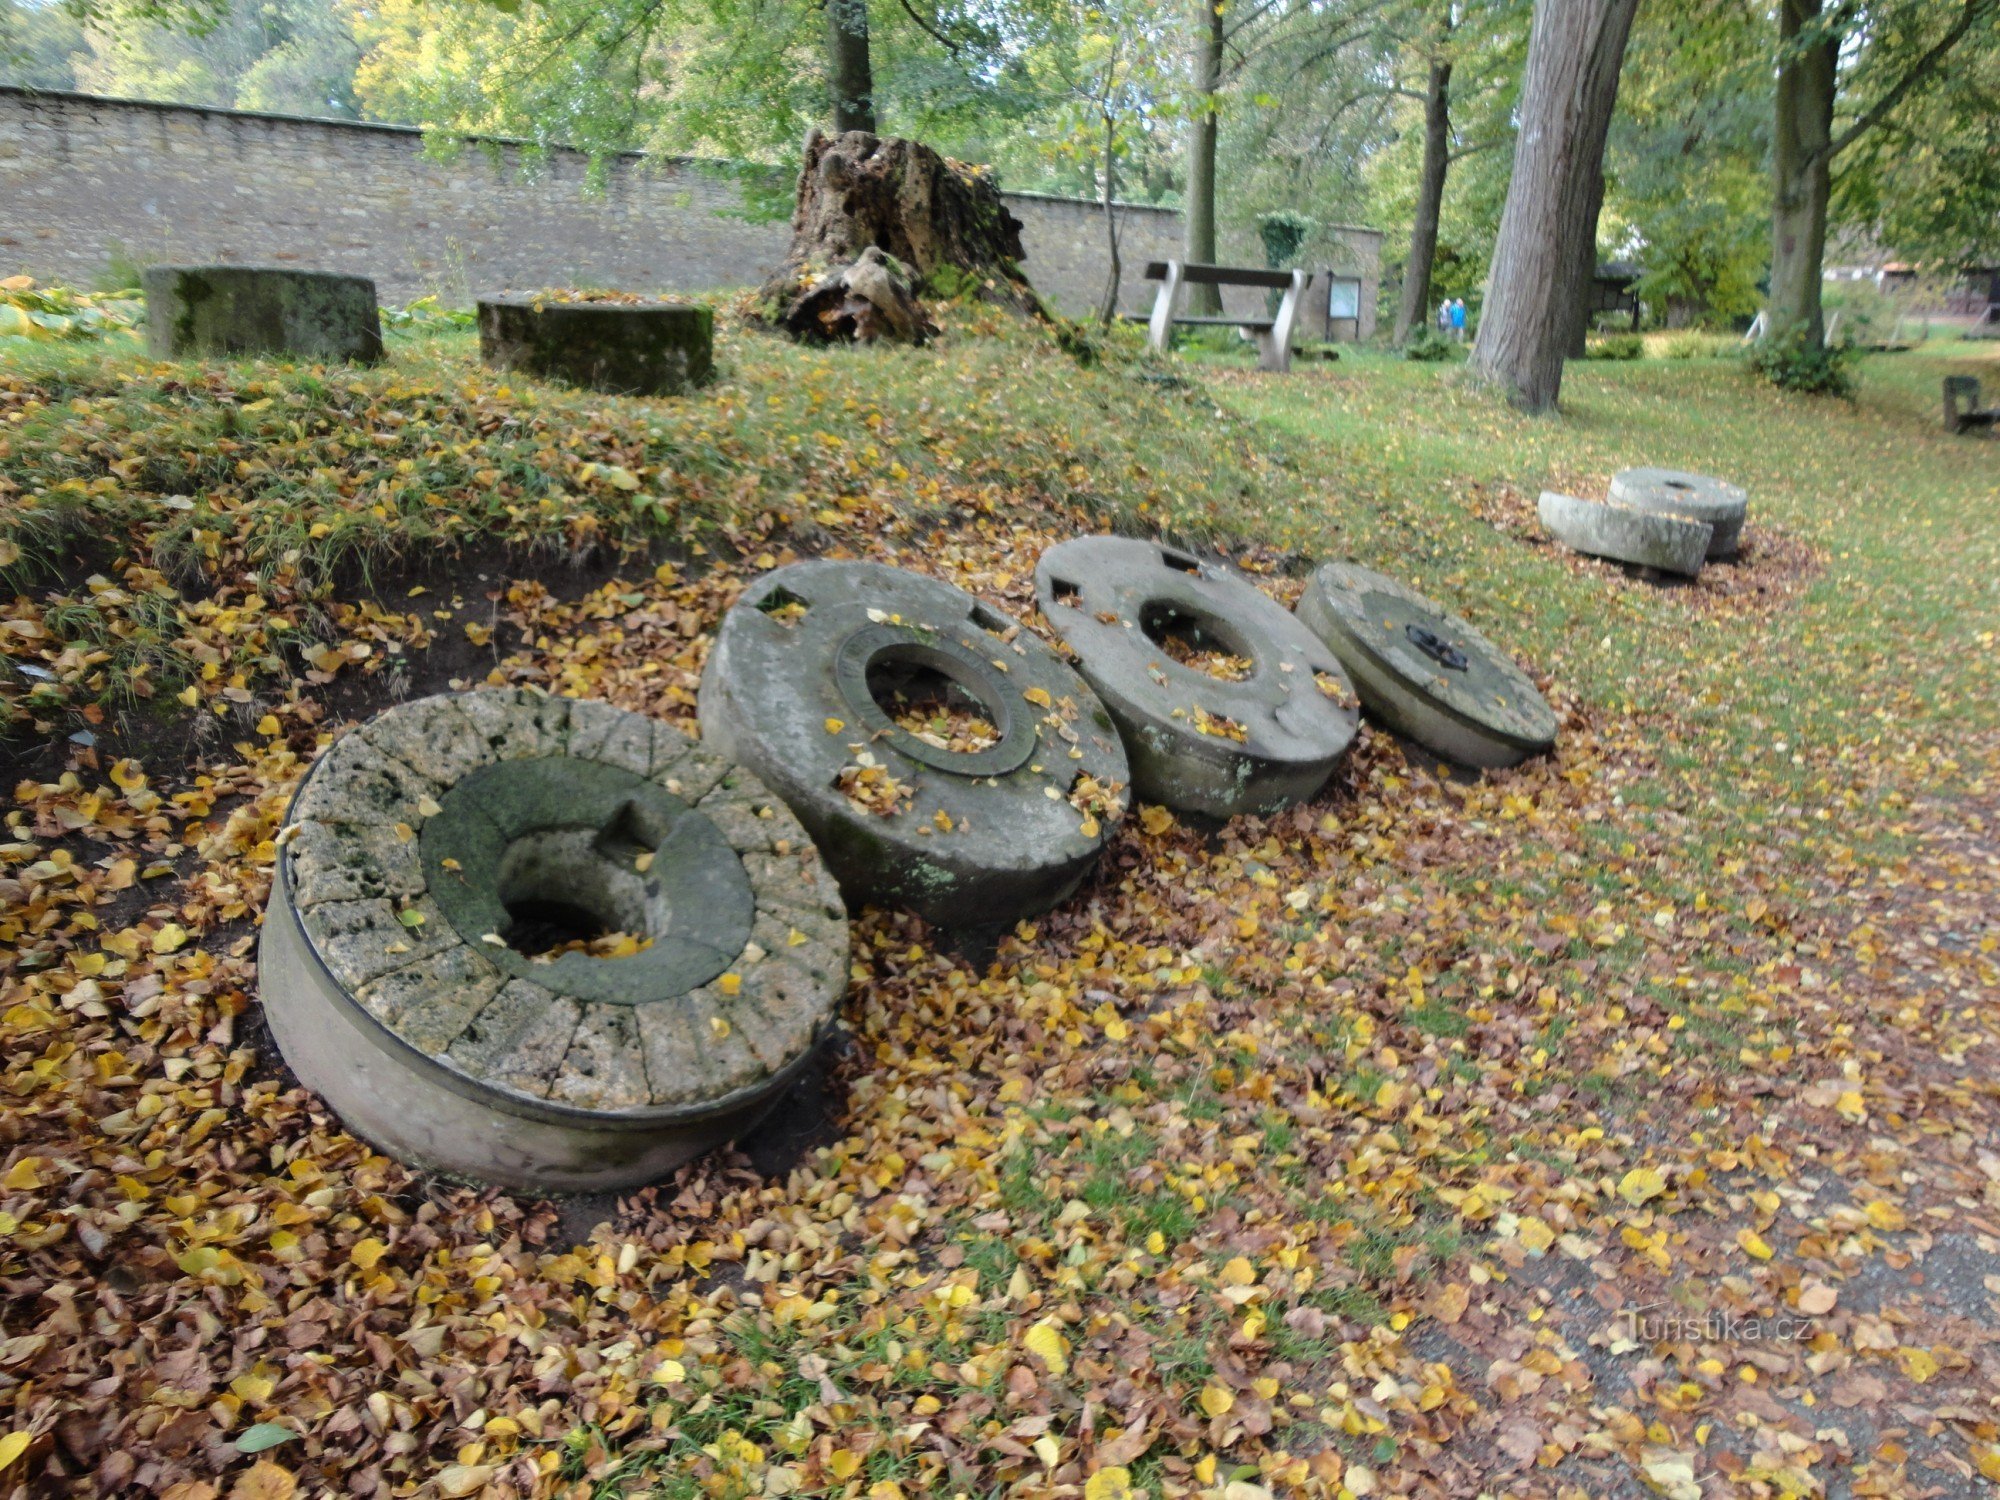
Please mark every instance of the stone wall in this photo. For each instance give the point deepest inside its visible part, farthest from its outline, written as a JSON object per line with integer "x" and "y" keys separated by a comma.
{"x": 88, "y": 182}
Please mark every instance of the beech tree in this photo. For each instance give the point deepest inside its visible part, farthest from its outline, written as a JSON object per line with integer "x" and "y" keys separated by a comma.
{"x": 1547, "y": 246}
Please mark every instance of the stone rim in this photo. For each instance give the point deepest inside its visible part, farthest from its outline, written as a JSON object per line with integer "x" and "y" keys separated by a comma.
{"x": 1342, "y": 605}
{"x": 801, "y": 902}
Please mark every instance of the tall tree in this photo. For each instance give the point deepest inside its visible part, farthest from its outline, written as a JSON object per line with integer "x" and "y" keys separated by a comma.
{"x": 1413, "y": 307}
{"x": 1198, "y": 219}
{"x": 1548, "y": 231}
{"x": 1883, "y": 53}
{"x": 850, "y": 67}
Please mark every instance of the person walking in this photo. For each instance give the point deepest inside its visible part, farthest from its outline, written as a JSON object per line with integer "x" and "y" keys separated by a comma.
{"x": 1444, "y": 319}
{"x": 1458, "y": 320}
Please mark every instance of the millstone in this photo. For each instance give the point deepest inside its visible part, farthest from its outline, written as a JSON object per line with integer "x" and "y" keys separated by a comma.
{"x": 432, "y": 850}
{"x": 236, "y": 310}
{"x": 1199, "y": 741}
{"x": 809, "y": 675}
{"x": 1423, "y": 671}
{"x": 1647, "y": 539}
{"x": 637, "y": 348}
{"x": 1699, "y": 497}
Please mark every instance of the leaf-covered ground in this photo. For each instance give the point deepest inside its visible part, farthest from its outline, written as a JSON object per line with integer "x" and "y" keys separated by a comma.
{"x": 1620, "y": 1124}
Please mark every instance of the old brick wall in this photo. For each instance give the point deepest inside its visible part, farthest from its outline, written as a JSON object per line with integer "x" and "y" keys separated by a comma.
{"x": 87, "y": 182}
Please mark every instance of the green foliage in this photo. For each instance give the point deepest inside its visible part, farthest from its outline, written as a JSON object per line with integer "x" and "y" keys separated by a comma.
{"x": 39, "y": 45}
{"x": 1797, "y": 363}
{"x": 1689, "y": 344}
{"x": 1427, "y": 346}
{"x": 427, "y": 314}
{"x": 290, "y": 56}
{"x": 1614, "y": 346}
{"x": 39, "y": 314}
{"x": 1283, "y": 233}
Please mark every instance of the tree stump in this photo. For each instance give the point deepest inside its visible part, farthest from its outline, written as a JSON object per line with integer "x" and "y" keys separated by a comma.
{"x": 879, "y": 217}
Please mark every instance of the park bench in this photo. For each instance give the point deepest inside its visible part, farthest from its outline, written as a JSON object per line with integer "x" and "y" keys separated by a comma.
{"x": 1961, "y": 405}
{"x": 1272, "y": 335}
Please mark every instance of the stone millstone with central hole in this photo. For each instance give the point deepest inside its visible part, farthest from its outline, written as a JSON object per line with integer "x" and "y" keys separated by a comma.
{"x": 1424, "y": 672}
{"x": 413, "y": 963}
{"x": 1699, "y": 497}
{"x": 1623, "y": 533}
{"x": 1208, "y": 743}
{"x": 637, "y": 348}
{"x": 943, "y": 758}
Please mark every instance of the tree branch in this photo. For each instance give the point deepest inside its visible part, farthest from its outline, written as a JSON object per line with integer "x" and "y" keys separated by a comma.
{"x": 1916, "y": 73}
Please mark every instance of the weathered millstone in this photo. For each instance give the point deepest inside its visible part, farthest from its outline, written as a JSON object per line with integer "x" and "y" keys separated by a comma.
{"x": 433, "y": 851}
{"x": 991, "y": 809}
{"x": 1699, "y": 497}
{"x": 1644, "y": 538}
{"x": 1424, "y": 672}
{"x": 235, "y": 310}
{"x": 622, "y": 346}
{"x": 1259, "y": 734}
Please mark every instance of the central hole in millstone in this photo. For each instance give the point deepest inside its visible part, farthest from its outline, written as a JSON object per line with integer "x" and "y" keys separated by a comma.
{"x": 578, "y": 890}
{"x": 1198, "y": 640}
{"x": 931, "y": 704}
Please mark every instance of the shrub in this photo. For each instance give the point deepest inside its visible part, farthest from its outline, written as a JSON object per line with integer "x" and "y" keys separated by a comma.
{"x": 1793, "y": 362}
{"x": 1614, "y": 346}
{"x": 1688, "y": 344}
{"x": 1427, "y": 347}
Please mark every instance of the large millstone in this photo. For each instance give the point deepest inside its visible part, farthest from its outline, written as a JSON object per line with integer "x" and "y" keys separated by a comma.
{"x": 624, "y": 348}
{"x": 1698, "y": 497}
{"x": 1644, "y": 538}
{"x": 1260, "y": 738}
{"x": 991, "y": 809}
{"x": 432, "y": 850}
{"x": 236, "y": 310}
{"x": 1424, "y": 672}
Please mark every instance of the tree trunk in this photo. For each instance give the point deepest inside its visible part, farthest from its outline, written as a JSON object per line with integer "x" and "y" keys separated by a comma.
{"x": 1414, "y": 308}
{"x": 1199, "y": 242}
{"x": 928, "y": 221}
{"x": 1571, "y": 84}
{"x": 1802, "y": 164}
{"x": 1586, "y": 272}
{"x": 1107, "y": 307}
{"x": 849, "y": 72}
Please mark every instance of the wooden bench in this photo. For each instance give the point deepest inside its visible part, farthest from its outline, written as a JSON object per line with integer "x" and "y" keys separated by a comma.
{"x": 1272, "y": 335}
{"x": 1962, "y": 410}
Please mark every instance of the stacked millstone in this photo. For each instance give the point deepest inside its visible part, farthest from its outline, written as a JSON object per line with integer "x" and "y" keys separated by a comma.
{"x": 423, "y": 845}
{"x": 1425, "y": 672}
{"x": 1698, "y": 497}
{"x": 1667, "y": 520}
{"x": 248, "y": 310}
{"x": 1258, "y": 737}
{"x": 617, "y": 343}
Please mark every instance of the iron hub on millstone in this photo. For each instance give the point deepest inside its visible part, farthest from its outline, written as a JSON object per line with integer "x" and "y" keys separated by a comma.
{"x": 1425, "y": 672}
{"x": 1255, "y": 742}
{"x": 425, "y": 963}
{"x": 987, "y": 811}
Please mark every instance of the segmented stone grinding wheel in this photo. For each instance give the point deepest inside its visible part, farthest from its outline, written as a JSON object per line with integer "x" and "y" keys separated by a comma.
{"x": 421, "y": 843}
{"x": 800, "y": 686}
{"x": 1199, "y": 741}
{"x": 1699, "y": 497}
{"x": 1423, "y": 671}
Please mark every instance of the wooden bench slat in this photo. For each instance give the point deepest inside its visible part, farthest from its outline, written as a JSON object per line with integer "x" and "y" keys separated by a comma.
{"x": 1205, "y": 275}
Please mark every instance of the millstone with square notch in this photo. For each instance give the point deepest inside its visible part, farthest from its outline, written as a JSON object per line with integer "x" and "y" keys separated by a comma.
{"x": 414, "y": 966}
{"x": 812, "y": 670}
{"x": 1198, "y": 741}
{"x": 1424, "y": 672}
{"x": 1699, "y": 497}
